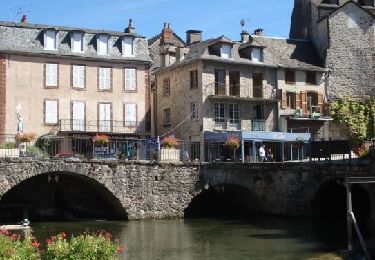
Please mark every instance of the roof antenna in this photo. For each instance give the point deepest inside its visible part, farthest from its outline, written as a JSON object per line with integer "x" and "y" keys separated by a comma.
{"x": 19, "y": 11}
{"x": 244, "y": 24}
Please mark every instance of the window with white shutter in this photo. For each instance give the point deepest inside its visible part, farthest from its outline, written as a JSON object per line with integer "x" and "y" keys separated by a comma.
{"x": 102, "y": 44}
{"x": 104, "y": 117}
{"x": 128, "y": 46}
{"x": 104, "y": 78}
{"x": 77, "y": 41}
{"x": 51, "y": 111}
{"x": 78, "y": 76}
{"x": 78, "y": 114}
{"x": 130, "y": 115}
{"x": 130, "y": 79}
{"x": 256, "y": 54}
{"x": 226, "y": 51}
{"x": 51, "y": 74}
{"x": 50, "y": 40}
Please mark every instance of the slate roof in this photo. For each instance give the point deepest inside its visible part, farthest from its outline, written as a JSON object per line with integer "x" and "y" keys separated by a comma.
{"x": 27, "y": 39}
{"x": 284, "y": 53}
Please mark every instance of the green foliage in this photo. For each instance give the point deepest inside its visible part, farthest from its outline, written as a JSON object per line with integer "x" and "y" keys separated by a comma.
{"x": 34, "y": 151}
{"x": 357, "y": 116}
{"x": 12, "y": 247}
{"x": 10, "y": 145}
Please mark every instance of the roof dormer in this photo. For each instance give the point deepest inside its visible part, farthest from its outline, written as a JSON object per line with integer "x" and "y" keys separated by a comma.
{"x": 222, "y": 47}
{"x": 77, "y": 41}
{"x": 102, "y": 44}
{"x": 252, "y": 51}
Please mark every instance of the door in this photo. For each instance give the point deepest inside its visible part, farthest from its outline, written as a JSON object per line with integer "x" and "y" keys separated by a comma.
{"x": 105, "y": 117}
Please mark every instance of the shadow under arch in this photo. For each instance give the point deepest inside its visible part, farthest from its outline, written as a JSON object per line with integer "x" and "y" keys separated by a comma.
{"x": 329, "y": 204}
{"x": 60, "y": 196}
{"x": 226, "y": 200}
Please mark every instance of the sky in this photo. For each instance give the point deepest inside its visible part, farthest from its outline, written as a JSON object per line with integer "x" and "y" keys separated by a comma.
{"x": 213, "y": 17}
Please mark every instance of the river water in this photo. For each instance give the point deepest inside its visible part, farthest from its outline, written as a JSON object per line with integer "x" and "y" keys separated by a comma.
{"x": 212, "y": 239}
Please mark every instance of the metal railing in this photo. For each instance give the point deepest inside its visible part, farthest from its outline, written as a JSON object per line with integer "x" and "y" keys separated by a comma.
{"x": 259, "y": 92}
{"x": 258, "y": 125}
{"x": 94, "y": 126}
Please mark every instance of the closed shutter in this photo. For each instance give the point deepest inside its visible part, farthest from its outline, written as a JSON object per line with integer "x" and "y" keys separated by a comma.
{"x": 104, "y": 117}
{"x": 78, "y": 116}
{"x": 77, "y": 42}
{"x": 78, "y": 76}
{"x": 284, "y": 101}
{"x": 51, "y": 112}
{"x": 304, "y": 102}
{"x": 102, "y": 44}
{"x": 130, "y": 79}
{"x": 51, "y": 75}
{"x": 130, "y": 114}
{"x": 104, "y": 78}
{"x": 50, "y": 40}
{"x": 298, "y": 100}
{"x": 321, "y": 102}
{"x": 128, "y": 47}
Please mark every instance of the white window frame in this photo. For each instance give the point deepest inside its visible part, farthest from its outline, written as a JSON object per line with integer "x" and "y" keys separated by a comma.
{"x": 132, "y": 122}
{"x": 77, "y": 42}
{"x": 78, "y": 120}
{"x": 219, "y": 113}
{"x": 50, "y": 35}
{"x": 51, "y": 74}
{"x": 234, "y": 113}
{"x": 78, "y": 77}
{"x": 256, "y": 54}
{"x": 128, "y": 46}
{"x": 102, "y": 44}
{"x": 51, "y": 117}
{"x": 105, "y": 79}
{"x": 226, "y": 51}
{"x": 130, "y": 76}
{"x": 106, "y": 118}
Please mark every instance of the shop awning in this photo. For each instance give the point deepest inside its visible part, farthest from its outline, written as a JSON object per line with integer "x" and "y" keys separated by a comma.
{"x": 258, "y": 136}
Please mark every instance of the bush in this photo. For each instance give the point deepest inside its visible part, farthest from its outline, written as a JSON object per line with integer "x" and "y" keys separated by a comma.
{"x": 170, "y": 142}
{"x": 34, "y": 151}
{"x": 10, "y": 145}
{"x": 25, "y": 137}
{"x": 13, "y": 247}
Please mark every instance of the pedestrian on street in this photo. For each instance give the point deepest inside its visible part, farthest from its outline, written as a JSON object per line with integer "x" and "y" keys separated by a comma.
{"x": 262, "y": 153}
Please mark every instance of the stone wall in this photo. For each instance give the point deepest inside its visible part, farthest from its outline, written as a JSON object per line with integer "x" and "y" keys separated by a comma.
{"x": 3, "y": 82}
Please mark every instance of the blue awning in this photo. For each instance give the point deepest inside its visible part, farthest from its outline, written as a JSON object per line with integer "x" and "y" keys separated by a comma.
{"x": 258, "y": 136}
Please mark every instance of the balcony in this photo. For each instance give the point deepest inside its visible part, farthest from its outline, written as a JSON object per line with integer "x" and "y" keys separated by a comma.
{"x": 258, "y": 125}
{"x": 97, "y": 126}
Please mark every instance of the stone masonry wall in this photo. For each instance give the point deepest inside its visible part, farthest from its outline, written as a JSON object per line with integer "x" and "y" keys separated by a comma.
{"x": 2, "y": 93}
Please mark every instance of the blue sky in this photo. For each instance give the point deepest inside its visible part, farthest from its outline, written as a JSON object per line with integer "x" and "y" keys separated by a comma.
{"x": 214, "y": 17}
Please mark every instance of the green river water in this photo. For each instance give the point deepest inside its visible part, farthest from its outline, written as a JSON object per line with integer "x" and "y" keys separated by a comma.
{"x": 213, "y": 239}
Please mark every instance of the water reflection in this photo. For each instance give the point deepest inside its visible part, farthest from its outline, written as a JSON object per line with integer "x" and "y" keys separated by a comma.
{"x": 256, "y": 238}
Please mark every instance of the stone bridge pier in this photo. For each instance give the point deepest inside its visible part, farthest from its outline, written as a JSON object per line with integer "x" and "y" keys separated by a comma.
{"x": 145, "y": 190}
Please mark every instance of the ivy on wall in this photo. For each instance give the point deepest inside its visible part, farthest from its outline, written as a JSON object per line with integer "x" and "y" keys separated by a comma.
{"x": 357, "y": 116}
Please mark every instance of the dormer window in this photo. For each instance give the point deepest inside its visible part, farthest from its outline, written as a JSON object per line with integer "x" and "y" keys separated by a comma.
{"x": 128, "y": 46}
{"x": 226, "y": 51}
{"x": 102, "y": 44}
{"x": 256, "y": 55}
{"x": 50, "y": 39}
{"x": 77, "y": 41}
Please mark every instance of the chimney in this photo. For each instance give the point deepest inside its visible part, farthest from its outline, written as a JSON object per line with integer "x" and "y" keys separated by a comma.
{"x": 167, "y": 32}
{"x": 245, "y": 36}
{"x": 193, "y": 36}
{"x": 130, "y": 28}
{"x": 180, "y": 53}
{"x": 258, "y": 32}
{"x": 23, "y": 19}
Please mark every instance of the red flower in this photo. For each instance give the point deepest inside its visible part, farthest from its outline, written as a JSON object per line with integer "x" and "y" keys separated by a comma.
{"x": 35, "y": 244}
{"x": 4, "y": 232}
{"x": 63, "y": 234}
{"x": 14, "y": 237}
{"x": 48, "y": 241}
{"x": 120, "y": 250}
{"x": 108, "y": 236}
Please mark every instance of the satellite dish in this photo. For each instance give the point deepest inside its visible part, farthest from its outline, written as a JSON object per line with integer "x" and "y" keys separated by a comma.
{"x": 243, "y": 22}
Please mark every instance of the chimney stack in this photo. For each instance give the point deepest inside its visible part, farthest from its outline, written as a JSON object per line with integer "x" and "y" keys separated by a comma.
{"x": 258, "y": 32}
{"x": 245, "y": 36}
{"x": 24, "y": 19}
{"x": 180, "y": 53}
{"x": 130, "y": 28}
{"x": 193, "y": 36}
{"x": 167, "y": 31}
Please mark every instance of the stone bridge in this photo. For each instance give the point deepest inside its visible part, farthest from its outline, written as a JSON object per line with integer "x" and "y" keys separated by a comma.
{"x": 146, "y": 190}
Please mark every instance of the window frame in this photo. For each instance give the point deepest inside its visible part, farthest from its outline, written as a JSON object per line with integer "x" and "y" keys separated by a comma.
{"x": 288, "y": 77}
{"x": 57, "y": 75}
{"x": 310, "y": 78}
{"x": 194, "y": 111}
{"x": 291, "y": 100}
{"x": 45, "y": 112}
{"x": 167, "y": 87}
{"x": 110, "y": 114}
{"x": 229, "y": 49}
{"x": 46, "y": 39}
{"x": 110, "y": 79}
{"x": 219, "y": 109}
{"x": 84, "y": 114}
{"x": 260, "y": 50}
{"x": 167, "y": 114}
{"x": 136, "y": 115}
{"x": 84, "y": 77}
{"x": 98, "y": 48}
{"x": 124, "y": 38}
{"x": 82, "y": 38}
{"x": 234, "y": 115}
{"x": 135, "y": 80}
{"x": 193, "y": 79}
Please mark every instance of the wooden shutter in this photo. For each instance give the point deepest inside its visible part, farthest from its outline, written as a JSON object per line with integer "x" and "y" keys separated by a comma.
{"x": 51, "y": 112}
{"x": 130, "y": 79}
{"x": 284, "y": 101}
{"x": 128, "y": 46}
{"x": 78, "y": 116}
{"x": 298, "y": 100}
{"x": 321, "y": 102}
{"x": 304, "y": 102}
{"x": 130, "y": 114}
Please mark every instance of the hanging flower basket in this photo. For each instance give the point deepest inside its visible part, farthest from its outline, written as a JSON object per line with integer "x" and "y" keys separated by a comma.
{"x": 101, "y": 139}
{"x": 170, "y": 142}
{"x": 233, "y": 142}
{"x": 25, "y": 137}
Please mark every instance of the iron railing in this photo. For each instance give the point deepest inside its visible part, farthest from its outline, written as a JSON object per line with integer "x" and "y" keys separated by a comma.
{"x": 259, "y": 92}
{"x": 258, "y": 125}
{"x": 95, "y": 126}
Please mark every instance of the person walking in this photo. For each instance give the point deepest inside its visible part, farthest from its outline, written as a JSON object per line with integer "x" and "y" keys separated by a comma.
{"x": 262, "y": 153}
{"x": 270, "y": 155}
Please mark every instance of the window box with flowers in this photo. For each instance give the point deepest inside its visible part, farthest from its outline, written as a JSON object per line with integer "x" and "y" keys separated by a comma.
{"x": 101, "y": 139}
{"x": 233, "y": 143}
{"x": 169, "y": 150}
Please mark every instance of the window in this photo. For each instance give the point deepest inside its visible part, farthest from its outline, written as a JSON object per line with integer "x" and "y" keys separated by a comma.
{"x": 77, "y": 41}
{"x": 102, "y": 44}
{"x": 256, "y": 54}
{"x": 290, "y": 76}
{"x": 257, "y": 85}
{"x": 311, "y": 77}
{"x": 105, "y": 116}
{"x": 78, "y": 77}
{"x": 105, "y": 78}
{"x": 234, "y": 114}
{"x": 220, "y": 82}
{"x": 259, "y": 112}
{"x": 128, "y": 47}
{"x": 51, "y": 111}
{"x": 130, "y": 115}
{"x": 166, "y": 87}
{"x": 194, "y": 111}
{"x": 78, "y": 116}
{"x": 50, "y": 41}
{"x": 51, "y": 74}
{"x": 194, "y": 79}
{"x": 219, "y": 113}
{"x": 291, "y": 100}
{"x": 130, "y": 79}
{"x": 167, "y": 117}
{"x": 226, "y": 51}
{"x": 312, "y": 100}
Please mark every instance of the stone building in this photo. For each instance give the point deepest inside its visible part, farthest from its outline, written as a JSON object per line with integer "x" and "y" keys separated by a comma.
{"x": 74, "y": 81}
{"x": 219, "y": 87}
{"x": 343, "y": 34}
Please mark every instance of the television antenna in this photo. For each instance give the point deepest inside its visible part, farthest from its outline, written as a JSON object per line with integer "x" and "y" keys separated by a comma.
{"x": 18, "y": 11}
{"x": 244, "y": 24}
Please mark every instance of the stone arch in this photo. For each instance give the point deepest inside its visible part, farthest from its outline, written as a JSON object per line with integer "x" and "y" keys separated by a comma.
{"x": 99, "y": 176}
